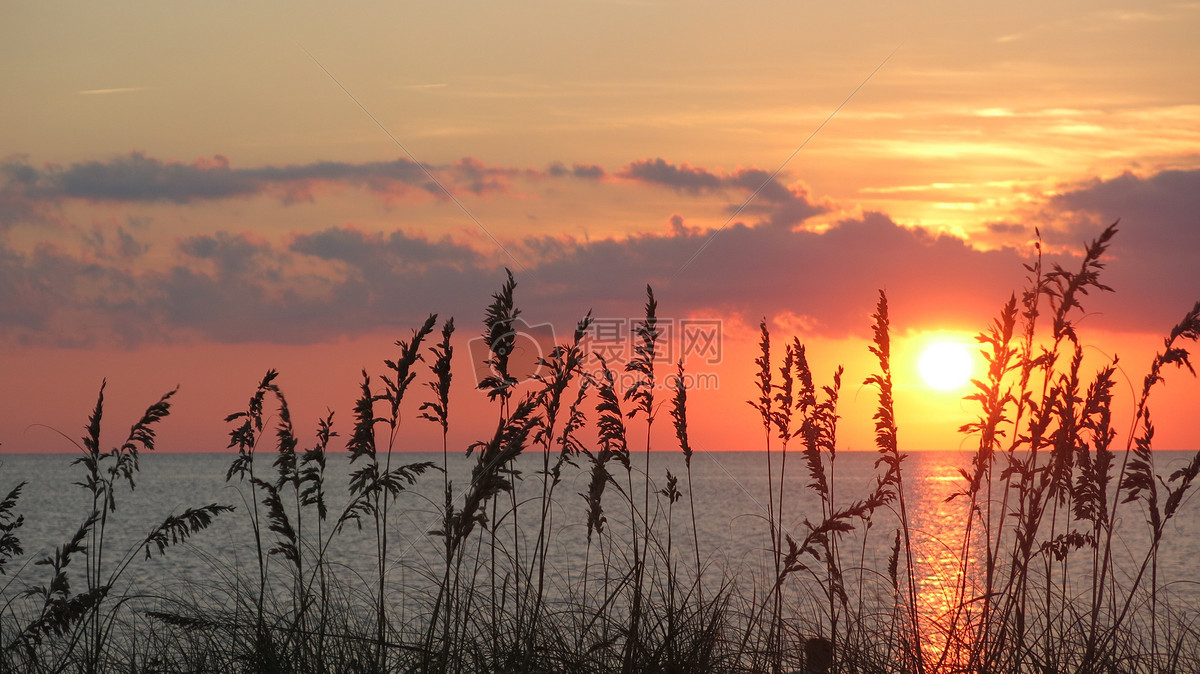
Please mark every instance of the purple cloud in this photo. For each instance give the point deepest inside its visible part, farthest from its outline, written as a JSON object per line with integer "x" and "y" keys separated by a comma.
{"x": 1157, "y": 252}
{"x": 341, "y": 281}
{"x": 683, "y": 177}
{"x": 137, "y": 178}
{"x": 315, "y": 286}
{"x": 773, "y": 201}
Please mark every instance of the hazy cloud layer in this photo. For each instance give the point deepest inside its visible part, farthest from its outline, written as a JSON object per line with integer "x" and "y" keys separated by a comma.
{"x": 233, "y": 286}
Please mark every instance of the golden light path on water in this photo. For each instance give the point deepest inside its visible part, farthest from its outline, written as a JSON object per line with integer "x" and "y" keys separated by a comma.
{"x": 938, "y": 528}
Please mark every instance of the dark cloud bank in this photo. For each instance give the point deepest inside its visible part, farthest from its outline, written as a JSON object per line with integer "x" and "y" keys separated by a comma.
{"x": 231, "y": 287}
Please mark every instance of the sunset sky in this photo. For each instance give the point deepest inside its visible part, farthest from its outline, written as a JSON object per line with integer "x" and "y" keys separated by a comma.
{"x": 192, "y": 193}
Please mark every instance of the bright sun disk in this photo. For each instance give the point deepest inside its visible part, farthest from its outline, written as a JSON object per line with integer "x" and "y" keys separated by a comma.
{"x": 945, "y": 365}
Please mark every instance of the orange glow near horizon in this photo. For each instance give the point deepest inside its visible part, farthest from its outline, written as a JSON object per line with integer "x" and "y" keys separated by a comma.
{"x": 215, "y": 380}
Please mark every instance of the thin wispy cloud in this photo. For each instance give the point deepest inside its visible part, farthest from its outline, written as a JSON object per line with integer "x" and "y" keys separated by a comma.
{"x": 118, "y": 90}
{"x": 137, "y": 177}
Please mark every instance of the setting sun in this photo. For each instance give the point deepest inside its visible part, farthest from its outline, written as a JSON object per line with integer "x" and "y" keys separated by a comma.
{"x": 945, "y": 365}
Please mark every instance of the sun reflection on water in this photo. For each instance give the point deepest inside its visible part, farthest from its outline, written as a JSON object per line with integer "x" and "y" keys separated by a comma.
{"x": 938, "y": 528}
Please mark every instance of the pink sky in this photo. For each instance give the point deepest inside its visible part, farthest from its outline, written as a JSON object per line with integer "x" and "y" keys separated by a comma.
{"x": 188, "y": 198}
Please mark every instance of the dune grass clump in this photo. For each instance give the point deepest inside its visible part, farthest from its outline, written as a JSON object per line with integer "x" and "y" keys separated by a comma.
{"x": 55, "y": 626}
{"x": 1037, "y": 586}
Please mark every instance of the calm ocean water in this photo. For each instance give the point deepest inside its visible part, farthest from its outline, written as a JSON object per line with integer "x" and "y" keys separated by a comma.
{"x": 730, "y": 491}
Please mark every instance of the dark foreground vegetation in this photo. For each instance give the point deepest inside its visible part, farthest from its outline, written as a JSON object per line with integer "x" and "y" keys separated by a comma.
{"x": 1037, "y": 588}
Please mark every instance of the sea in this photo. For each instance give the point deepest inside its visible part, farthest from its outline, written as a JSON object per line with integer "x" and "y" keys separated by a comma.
{"x": 730, "y": 491}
